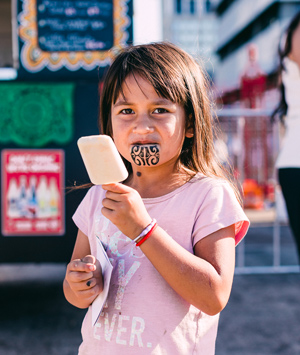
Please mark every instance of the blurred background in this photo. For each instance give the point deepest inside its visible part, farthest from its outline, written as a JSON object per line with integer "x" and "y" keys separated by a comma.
{"x": 53, "y": 54}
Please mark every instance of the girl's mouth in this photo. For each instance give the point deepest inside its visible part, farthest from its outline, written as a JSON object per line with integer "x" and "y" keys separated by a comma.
{"x": 139, "y": 143}
{"x": 145, "y": 154}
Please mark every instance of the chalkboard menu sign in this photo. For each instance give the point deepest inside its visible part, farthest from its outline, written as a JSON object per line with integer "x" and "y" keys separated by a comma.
{"x": 75, "y": 25}
{"x": 71, "y": 39}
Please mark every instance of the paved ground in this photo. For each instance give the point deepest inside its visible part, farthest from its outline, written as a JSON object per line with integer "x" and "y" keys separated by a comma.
{"x": 35, "y": 318}
{"x": 261, "y": 318}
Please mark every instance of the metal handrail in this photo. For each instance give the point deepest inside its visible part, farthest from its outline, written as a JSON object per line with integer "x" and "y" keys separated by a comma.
{"x": 241, "y": 115}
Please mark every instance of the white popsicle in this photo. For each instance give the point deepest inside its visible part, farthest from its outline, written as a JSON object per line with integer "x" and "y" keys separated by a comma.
{"x": 102, "y": 159}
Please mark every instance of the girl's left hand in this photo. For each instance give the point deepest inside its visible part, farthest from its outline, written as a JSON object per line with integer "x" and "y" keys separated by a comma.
{"x": 124, "y": 207}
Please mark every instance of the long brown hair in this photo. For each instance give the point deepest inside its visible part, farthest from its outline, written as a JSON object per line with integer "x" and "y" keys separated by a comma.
{"x": 284, "y": 51}
{"x": 176, "y": 76}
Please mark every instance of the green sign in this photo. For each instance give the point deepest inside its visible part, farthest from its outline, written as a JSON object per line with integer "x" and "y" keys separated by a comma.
{"x": 34, "y": 115}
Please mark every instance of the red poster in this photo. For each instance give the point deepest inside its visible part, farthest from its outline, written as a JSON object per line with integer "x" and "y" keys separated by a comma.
{"x": 33, "y": 192}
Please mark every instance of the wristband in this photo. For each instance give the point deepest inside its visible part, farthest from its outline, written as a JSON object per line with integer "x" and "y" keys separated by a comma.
{"x": 144, "y": 232}
{"x": 147, "y": 235}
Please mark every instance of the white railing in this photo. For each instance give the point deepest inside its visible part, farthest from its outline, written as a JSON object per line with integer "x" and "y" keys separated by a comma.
{"x": 251, "y": 146}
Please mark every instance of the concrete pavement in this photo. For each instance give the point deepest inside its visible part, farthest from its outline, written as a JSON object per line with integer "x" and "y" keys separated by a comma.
{"x": 261, "y": 318}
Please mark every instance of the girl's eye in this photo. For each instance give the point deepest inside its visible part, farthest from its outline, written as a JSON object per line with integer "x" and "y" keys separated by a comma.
{"x": 160, "y": 110}
{"x": 127, "y": 111}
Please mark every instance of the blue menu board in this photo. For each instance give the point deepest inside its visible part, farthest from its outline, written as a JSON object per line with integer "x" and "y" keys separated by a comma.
{"x": 71, "y": 39}
{"x": 77, "y": 25}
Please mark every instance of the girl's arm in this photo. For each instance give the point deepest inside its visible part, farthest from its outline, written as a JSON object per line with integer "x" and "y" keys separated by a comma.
{"x": 83, "y": 281}
{"x": 203, "y": 279}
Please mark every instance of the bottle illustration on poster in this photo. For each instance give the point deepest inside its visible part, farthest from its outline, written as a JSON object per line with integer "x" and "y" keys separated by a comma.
{"x": 32, "y": 192}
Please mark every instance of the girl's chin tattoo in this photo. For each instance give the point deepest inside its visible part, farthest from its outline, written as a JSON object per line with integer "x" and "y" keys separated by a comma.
{"x": 145, "y": 155}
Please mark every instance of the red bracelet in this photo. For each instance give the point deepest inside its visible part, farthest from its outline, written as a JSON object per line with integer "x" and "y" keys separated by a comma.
{"x": 147, "y": 235}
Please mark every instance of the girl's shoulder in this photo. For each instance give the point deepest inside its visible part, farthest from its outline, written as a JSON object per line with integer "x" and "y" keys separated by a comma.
{"x": 202, "y": 181}
{"x": 216, "y": 187}
{"x": 94, "y": 193}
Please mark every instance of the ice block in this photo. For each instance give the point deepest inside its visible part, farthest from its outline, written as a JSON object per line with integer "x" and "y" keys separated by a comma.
{"x": 102, "y": 159}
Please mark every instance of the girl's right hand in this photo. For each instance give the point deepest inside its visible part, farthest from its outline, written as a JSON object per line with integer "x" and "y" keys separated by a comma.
{"x": 124, "y": 207}
{"x": 84, "y": 277}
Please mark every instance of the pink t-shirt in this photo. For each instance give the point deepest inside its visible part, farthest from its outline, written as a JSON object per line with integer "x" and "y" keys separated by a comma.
{"x": 143, "y": 314}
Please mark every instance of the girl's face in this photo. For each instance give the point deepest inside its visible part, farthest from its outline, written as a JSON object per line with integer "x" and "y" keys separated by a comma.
{"x": 146, "y": 125}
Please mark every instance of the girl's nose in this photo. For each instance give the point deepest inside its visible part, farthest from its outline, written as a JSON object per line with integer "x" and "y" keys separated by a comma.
{"x": 143, "y": 124}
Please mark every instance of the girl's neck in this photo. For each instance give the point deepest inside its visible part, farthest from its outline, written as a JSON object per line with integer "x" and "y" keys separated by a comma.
{"x": 152, "y": 183}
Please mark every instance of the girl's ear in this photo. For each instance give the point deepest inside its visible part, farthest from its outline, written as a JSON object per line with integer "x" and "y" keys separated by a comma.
{"x": 189, "y": 133}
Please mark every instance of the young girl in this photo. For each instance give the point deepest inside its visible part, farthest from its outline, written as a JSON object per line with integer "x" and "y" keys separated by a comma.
{"x": 168, "y": 286}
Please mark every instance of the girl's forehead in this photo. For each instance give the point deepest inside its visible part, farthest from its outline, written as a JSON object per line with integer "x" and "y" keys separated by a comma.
{"x": 134, "y": 86}
{"x": 150, "y": 83}
{"x": 135, "y": 81}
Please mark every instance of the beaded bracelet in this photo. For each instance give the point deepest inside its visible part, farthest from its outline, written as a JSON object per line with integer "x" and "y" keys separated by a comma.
{"x": 144, "y": 232}
{"x": 147, "y": 235}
